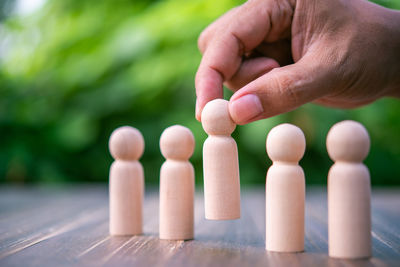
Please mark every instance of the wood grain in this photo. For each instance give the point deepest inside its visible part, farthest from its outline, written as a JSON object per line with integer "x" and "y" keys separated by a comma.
{"x": 66, "y": 226}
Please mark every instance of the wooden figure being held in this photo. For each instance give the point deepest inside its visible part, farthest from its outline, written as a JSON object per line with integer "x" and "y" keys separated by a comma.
{"x": 220, "y": 163}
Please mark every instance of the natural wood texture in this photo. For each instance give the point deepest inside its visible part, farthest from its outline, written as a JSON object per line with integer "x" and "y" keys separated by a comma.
{"x": 177, "y": 184}
{"x": 69, "y": 226}
{"x": 220, "y": 163}
{"x": 126, "y": 183}
{"x": 285, "y": 190}
{"x": 349, "y": 192}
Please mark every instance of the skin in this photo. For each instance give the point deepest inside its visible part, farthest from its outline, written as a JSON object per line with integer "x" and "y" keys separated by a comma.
{"x": 277, "y": 55}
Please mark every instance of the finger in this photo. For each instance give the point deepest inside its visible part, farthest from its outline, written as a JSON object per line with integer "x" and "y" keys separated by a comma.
{"x": 214, "y": 67}
{"x": 279, "y": 13}
{"x": 209, "y": 32}
{"x": 281, "y": 90}
{"x": 224, "y": 52}
{"x": 208, "y": 87}
{"x": 250, "y": 70}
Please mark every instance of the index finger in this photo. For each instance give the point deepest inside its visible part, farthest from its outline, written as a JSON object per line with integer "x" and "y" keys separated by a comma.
{"x": 223, "y": 54}
{"x": 220, "y": 61}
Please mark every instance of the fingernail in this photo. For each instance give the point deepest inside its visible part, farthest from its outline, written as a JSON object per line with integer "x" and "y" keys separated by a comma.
{"x": 246, "y": 108}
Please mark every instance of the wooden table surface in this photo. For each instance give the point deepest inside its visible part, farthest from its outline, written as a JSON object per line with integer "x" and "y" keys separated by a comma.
{"x": 66, "y": 226}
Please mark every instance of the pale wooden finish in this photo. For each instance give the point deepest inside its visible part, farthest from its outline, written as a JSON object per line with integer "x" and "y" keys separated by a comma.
{"x": 177, "y": 184}
{"x": 126, "y": 185}
{"x": 349, "y": 191}
{"x": 68, "y": 226}
{"x": 285, "y": 190}
{"x": 220, "y": 163}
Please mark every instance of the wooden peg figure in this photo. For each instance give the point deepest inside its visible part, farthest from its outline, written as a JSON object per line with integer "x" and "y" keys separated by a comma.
{"x": 220, "y": 163}
{"x": 126, "y": 181}
{"x": 349, "y": 192}
{"x": 177, "y": 184}
{"x": 285, "y": 190}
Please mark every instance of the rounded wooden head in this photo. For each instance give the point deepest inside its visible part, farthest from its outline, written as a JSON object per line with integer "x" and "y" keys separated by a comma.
{"x": 177, "y": 142}
{"x": 126, "y": 143}
{"x": 348, "y": 141}
{"x": 216, "y": 119}
{"x": 286, "y": 142}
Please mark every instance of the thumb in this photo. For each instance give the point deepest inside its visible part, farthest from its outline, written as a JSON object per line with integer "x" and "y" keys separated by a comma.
{"x": 280, "y": 90}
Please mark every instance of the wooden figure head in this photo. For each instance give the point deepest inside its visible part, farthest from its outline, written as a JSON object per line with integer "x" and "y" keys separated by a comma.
{"x": 177, "y": 142}
{"x": 286, "y": 143}
{"x": 216, "y": 119}
{"x": 348, "y": 141}
{"x": 126, "y": 143}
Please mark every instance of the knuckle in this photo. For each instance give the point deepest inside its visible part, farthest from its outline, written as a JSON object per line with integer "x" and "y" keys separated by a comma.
{"x": 201, "y": 41}
{"x": 285, "y": 86}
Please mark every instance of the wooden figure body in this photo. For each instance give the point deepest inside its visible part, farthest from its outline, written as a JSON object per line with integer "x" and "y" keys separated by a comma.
{"x": 177, "y": 184}
{"x": 285, "y": 190}
{"x": 220, "y": 163}
{"x": 349, "y": 192}
{"x": 126, "y": 186}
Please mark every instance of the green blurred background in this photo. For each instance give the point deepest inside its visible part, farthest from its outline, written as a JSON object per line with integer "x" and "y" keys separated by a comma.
{"x": 71, "y": 71}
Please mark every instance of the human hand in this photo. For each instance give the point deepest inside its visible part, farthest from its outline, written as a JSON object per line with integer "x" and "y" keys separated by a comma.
{"x": 280, "y": 54}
